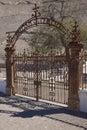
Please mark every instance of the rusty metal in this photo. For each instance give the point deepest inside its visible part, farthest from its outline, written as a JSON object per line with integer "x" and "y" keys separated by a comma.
{"x": 42, "y": 76}
{"x": 75, "y": 34}
{"x": 2, "y": 67}
{"x": 45, "y": 76}
{"x": 36, "y": 20}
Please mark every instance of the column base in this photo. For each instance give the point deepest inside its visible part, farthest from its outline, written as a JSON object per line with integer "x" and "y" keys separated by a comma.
{"x": 10, "y": 91}
{"x": 73, "y": 104}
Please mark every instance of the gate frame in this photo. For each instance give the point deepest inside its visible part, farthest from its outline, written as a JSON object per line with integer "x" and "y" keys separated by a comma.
{"x": 74, "y": 57}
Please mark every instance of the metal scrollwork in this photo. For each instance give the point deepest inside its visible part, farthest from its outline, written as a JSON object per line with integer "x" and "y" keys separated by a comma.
{"x": 36, "y": 20}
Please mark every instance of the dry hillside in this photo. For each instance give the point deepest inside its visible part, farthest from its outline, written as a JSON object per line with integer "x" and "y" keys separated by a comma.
{"x": 14, "y": 12}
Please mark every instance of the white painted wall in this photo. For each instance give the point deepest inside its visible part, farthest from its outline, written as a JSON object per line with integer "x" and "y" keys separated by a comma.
{"x": 3, "y": 85}
{"x": 83, "y": 100}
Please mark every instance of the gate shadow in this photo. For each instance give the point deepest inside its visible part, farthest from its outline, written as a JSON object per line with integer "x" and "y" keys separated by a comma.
{"x": 51, "y": 111}
{"x": 53, "y": 114}
{"x": 40, "y": 112}
{"x": 30, "y": 108}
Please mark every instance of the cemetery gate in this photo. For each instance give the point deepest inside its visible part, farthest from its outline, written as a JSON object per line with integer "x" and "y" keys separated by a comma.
{"x": 42, "y": 76}
{"x": 46, "y": 76}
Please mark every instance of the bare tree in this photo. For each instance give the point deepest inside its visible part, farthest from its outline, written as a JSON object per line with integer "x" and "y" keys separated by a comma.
{"x": 63, "y": 9}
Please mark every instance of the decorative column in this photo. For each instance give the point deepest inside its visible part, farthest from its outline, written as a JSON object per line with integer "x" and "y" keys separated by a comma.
{"x": 9, "y": 68}
{"x": 75, "y": 68}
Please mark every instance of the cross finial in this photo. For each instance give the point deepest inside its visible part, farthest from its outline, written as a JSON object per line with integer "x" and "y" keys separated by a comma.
{"x": 75, "y": 35}
{"x": 36, "y": 12}
{"x": 9, "y": 38}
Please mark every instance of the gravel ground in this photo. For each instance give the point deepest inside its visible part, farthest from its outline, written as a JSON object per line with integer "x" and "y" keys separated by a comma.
{"x": 18, "y": 113}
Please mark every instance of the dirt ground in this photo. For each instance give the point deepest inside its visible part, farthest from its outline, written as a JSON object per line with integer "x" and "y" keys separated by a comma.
{"x": 18, "y": 113}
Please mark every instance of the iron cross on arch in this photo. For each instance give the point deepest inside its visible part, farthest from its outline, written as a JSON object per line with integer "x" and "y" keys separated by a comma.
{"x": 36, "y": 13}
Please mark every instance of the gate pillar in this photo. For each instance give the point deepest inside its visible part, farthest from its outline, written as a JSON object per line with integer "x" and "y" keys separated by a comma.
{"x": 75, "y": 68}
{"x": 9, "y": 70}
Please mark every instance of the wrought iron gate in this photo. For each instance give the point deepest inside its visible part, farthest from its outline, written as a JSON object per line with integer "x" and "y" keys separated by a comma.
{"x": 42, "y": 76}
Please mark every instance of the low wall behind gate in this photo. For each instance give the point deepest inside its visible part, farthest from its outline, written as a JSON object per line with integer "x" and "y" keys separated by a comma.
{"x": 83, "y": 100}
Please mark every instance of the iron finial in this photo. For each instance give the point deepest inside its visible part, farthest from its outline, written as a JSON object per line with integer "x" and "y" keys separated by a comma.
{"x": 36, "y": 12}
{"x": 9, "y": 39}
{"x": 75, "y": 34}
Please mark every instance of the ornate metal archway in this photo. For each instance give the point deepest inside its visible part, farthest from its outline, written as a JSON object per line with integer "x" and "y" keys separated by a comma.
{"x": 35, "y": 20}
{"x": 74, "y": 59}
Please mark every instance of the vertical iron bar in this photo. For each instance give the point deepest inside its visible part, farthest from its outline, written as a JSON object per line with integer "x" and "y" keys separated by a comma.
{"x": 37, "y": 88}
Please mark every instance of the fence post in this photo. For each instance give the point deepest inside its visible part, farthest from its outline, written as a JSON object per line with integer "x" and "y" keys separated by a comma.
{"x": 9, "y": 70}
{"x": 75, "y": 68}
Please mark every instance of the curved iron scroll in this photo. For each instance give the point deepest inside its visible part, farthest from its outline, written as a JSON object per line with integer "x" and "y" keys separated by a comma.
{"x": 35, "y": 21}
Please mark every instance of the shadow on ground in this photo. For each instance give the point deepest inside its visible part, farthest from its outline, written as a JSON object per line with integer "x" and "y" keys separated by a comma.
{"x": 31, "y": 108}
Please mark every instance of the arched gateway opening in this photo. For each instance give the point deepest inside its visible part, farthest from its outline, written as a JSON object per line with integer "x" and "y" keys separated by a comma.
{"x": 36, "y": 20}
{"x": 38, "y": 75}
